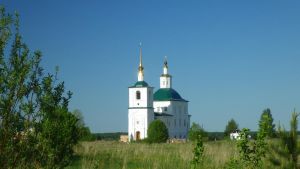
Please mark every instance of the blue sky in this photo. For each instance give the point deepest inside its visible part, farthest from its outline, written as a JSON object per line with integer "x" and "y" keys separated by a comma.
{"x": 230, "y": 59}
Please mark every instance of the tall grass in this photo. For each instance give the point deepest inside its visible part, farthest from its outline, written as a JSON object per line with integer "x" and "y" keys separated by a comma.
{"x": 115, "y": 155}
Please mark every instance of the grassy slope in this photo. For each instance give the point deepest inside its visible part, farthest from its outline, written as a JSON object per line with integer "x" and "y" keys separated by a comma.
{"x": 114, "y": 155}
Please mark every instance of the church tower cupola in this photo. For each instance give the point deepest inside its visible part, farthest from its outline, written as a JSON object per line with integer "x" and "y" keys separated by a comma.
{"x": 165, "y": 66}
{"x": 141, "y": 68}
{"x": 165, "y": 78}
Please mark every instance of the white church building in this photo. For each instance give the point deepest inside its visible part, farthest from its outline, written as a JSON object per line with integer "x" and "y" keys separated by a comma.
{"x": 165, "y": 104}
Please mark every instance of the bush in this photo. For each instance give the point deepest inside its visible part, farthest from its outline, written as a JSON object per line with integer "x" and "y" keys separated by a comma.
{"x": 36, "y": 128}
{"x": 157, "y": 132}
{"x": 195, "y": 131}
{"x": 289, "y": 139}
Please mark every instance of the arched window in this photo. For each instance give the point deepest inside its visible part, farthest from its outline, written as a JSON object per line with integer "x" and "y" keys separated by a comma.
{"x": 138, "y": 95}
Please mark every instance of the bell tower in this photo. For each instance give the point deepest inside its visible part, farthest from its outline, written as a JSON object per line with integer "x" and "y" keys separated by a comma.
{"x": 140, "y": 110}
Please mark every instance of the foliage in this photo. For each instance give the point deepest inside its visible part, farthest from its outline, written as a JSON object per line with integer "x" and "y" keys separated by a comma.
{"x": 157, "y": 132}
{"x": 233, "y": 163}
{"x": 251, "y": 152}
{"x": 198, "y": 153}
{"x": 195, "y": 131}
{"x": 36, "y": 128}
{"x": 266, "y": 123}
{"x": 289, "y": 139}
{"x": 84, "y": 131}
{"x": 230, "y": 127}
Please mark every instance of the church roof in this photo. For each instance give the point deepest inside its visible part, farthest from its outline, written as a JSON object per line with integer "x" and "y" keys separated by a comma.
{"x": 167, "y": 94}
{"x": 140, "y": 84}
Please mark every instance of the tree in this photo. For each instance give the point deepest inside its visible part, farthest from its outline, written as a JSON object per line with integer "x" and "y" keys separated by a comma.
{"x": 84, "y": 131}
{"x": 157, "y": 132}
{"x": 36, "y": 128}
{"x": 230, "y": 127}
{"x": 289, "y": 139}
{"x": 195, "y": 131}
{"x": 266, "y": 123}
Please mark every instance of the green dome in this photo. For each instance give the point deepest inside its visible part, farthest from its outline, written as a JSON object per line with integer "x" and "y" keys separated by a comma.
{"x": 167, "y": 94}
{"x": 140, "y": 84}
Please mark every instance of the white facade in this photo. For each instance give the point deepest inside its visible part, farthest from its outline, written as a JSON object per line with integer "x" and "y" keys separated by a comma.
{"x": 175, "y": 116}
{"x": 166, "y": 105}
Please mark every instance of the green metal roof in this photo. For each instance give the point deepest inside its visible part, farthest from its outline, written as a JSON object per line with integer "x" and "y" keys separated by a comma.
{"x": 140, "y": 84}
{"x": 167, "y": 94}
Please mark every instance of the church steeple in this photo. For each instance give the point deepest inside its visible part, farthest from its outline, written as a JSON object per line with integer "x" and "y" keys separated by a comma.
{"x": 165, "y": 78}
{"x": 141, "y": 68}
{"x": 165, "y": 66}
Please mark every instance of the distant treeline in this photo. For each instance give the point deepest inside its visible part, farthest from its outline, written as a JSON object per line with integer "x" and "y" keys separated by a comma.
{"x": 109, "y": 136}
{"x": 116, "y": 136}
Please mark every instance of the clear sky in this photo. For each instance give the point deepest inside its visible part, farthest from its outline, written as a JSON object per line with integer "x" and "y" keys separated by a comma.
{"x": 230, "y": 59}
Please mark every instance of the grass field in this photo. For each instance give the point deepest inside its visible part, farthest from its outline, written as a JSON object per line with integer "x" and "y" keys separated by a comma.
{"x": 115, "y": 155}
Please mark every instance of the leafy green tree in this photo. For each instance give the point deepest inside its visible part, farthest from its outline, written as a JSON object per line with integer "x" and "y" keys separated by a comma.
{"x": 266, "y": 123}
{"x": 157, "y": 132}
{"x": 84, "y": 131}
{"x": 230, "y": 127}
{"x": 195, "y": 131}
{"x": 36, "y": 128}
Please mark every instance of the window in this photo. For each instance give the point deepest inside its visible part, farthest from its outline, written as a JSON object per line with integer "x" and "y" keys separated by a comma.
{"x": 138, "y": 95}
{"x": 174, "y": 122}
{"x": 184, "y": 123}
{"x": 165, "y": 108}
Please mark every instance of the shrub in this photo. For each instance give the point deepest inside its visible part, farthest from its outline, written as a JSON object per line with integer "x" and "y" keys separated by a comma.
{"x": 289, "y": 139}
{"x": 157, "y": 132}
{"x": 198, "y": 153}
{"x": 195, "y": 131}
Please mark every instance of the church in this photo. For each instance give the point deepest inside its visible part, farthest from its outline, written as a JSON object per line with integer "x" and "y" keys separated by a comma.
{"x": 165, "y": 104}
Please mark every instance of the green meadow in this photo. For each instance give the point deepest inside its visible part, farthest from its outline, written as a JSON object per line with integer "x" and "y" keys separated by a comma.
{"x": 217, "y": 154}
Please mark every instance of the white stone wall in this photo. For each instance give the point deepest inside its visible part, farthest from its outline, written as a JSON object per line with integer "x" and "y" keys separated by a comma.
{"x": 140, "y": 112}
{"x": 139, "y": 120}
{"x": 146, "y": 99}
{"x": 178, "y": 124}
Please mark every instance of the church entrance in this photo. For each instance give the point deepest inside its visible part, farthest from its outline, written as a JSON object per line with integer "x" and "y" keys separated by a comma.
{"x": 138, "y": 135}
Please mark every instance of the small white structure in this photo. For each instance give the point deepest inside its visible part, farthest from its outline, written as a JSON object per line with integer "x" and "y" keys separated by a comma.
{"x": 165, "y": 104}
{"x": 235, "y": 135}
